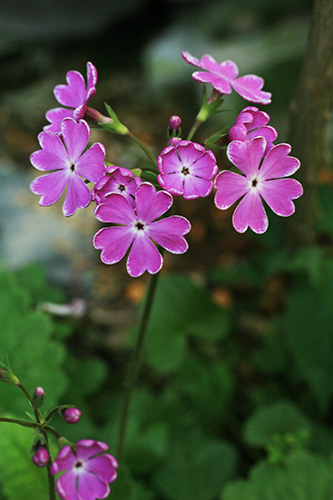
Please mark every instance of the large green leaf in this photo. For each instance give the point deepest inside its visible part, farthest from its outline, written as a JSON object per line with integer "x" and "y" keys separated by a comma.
{"x": 181, "y": 309}
{"x": 26, "y": 339}
{"x": 303, "y": 476}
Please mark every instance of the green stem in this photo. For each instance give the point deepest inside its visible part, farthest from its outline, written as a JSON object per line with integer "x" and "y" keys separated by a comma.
{"x": 193, "y": 130}
{"x": 134, "y": 368}
{"x": 19, "y": 422}
{"x": 144, "y": 149}
{"x": 36, "y": 412}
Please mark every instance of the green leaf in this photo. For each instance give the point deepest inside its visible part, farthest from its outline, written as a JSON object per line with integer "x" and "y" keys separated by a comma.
{"x": 20, "y": 478}
{"x": 196, "y": 468}
{"x": 181, "y": 309}
{"x": 280, "y": 418}
{"x": 303, "y": 476}
{"x": 26, "y": 339}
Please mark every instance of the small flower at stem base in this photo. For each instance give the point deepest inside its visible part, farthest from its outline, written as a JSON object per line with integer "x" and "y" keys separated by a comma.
{"x": 41, "y": 457}
{"x": 72, "y": 415}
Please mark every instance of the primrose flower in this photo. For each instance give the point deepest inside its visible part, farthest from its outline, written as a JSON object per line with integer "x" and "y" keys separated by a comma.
{"x": 260, "y": 181}
{"x": 116, "y": 180}
{"x": 252, "y": 123}
{"x": 137, "y": 228}
{"x": 224, "y": 77}
{"x": 74, "y": 95}
{"x": 88, "y": 471}
{"x": 67, "y": 163}
{"x": 187, "y": 169}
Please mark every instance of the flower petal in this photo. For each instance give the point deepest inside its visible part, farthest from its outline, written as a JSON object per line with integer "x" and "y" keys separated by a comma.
{"x": 78, "y": 195}
{"x": 55, "y": 117}
{"x": 91, "y": 164}
{"x": 115, "y": 209}
{"x": 279, "y": 194}
{"x": 104, "y": 466}
{"x": 86, "y": 448}
{"x": 218, "y": 81}
{"x": 143, "y": 256}
{"x": 278, "y": 164}
{"x": 66, "y": 486}
{"x": 230, "y": 187}
{"x": 151, "y": 204}
{"x": 91, "y": 487}
{"x": 76, "y": 137}
{"x": 74, "y": 93}
{"x": 247, "y": 155}
{"x": 249, "y": 87}
{"x": 250, "y": 213}
{"x": 64, "y": 460}
{"x": 91, "y": 76}
{"x": 169, "y": 232}
{"x": 173, "y": 183}
{"x": 50, "y": 187}
{"x": 196, "y": 187}
{"x": 114, "y": 243}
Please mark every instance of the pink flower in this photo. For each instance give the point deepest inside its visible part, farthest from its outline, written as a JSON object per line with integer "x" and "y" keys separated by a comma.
{"x": 116, "y": 180}
{"x": 223, "y": 77}
{"x": 260, "y": 181}
{"x": 137, "y": 228}
{"x": 67, "y": 163}
{"x": 88, "y": 471}
{"x": 41, "y": 457}
{"x": 187, "y": 169}
{"x": 252, "y": 123}
{"x": 74, "y": 95}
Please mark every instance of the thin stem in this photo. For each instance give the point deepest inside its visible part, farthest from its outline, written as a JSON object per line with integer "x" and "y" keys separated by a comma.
{"x": 194, "y": 128}
{"x": 134, "y": 368}
{"x": 19, "y": 422}
{"x": 50, "y": 478}
{"x": 143, "y": 147}
{"x": 36, "y": 412}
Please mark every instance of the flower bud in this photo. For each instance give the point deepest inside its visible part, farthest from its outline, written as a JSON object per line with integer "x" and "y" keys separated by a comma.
{"x": 174, "y": 123}
{"x": 174, "y": 140}
{"x": 71, "y": 415}
{"x": 38, "y": 397}
{"x": 7, "y": 376}
{"x": 41, "y": 457}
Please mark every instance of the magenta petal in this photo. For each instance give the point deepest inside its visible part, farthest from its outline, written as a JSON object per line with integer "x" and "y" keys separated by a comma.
{"x": 103, "y": 466}
{"x": 250, "y": 213}
{"x": 46, "y": 160}
{"x": 219, "y": 82}
{"x": 66, "y": 486}
{"x": 173, "y": 183}
{"x": 85, "y": 448}
{"x": 191, "y": 59}
{"x": 55, "y": 117}
{"x": 78, "y": 195}
{"x": 50, "y": 187}
{"x": 143, "y": 256}
{"x": 91, "y": 164}
{"x": 195, "y": 187}
{"x": 249, "y": 87}
{"x": 247, "y": 155}
{"x": 91, "y": 76}
{"x": 278, "y": 164}
{"x": 51, "y": 143}
{"x": 114, "y": 243}
{"x": 168, "y": 161}
{"x": 90, "y": 487}
{"x": 151, "y": 204}
{"x": 76, "y": 137}
{"x": 268, "y": 132}
{"x": 279, "y": 193}
{"x": 169, "y": 232}
{"x": 73, "y": 94}
{"x": 64, "y": 460}
{"x": 230, "y": 187}
{"x": 115, "y": 209}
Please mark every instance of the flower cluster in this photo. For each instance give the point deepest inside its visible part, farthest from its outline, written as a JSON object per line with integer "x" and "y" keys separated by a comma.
{"x": 135, "y": 205}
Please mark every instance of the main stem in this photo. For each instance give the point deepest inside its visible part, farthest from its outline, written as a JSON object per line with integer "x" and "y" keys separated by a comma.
{"x": 134, "y": 367}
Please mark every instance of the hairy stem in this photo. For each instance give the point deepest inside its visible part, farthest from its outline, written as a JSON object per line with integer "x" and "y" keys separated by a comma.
{"x": 134, "y": 367}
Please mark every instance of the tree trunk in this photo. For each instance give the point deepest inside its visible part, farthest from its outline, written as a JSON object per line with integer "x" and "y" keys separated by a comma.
{"x": 310, "y": 112}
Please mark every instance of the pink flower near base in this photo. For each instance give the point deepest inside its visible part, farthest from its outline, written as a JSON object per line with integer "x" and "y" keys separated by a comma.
{"x": 87, "y": 473}
{"x": 74, "y": 95}
{"x": 137, "y": 228}
{"x": 252, "y": 123}
{"x": 41, "y": 457}
{"x": 68, "y": 164}
{"x": 224, "y": 77}
{"x": 116, "y": 180}
{"x": 187, "y": 169}
{"x": 260, "y": 180}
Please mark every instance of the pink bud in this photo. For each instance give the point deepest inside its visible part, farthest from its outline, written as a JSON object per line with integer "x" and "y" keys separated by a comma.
{"x": 41, "y": 457}
{"x": 38, "y": 397}
{"x": 72, "y": 415}
{"x": 174, "y": 140}
{"x": 174, "y": 123}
